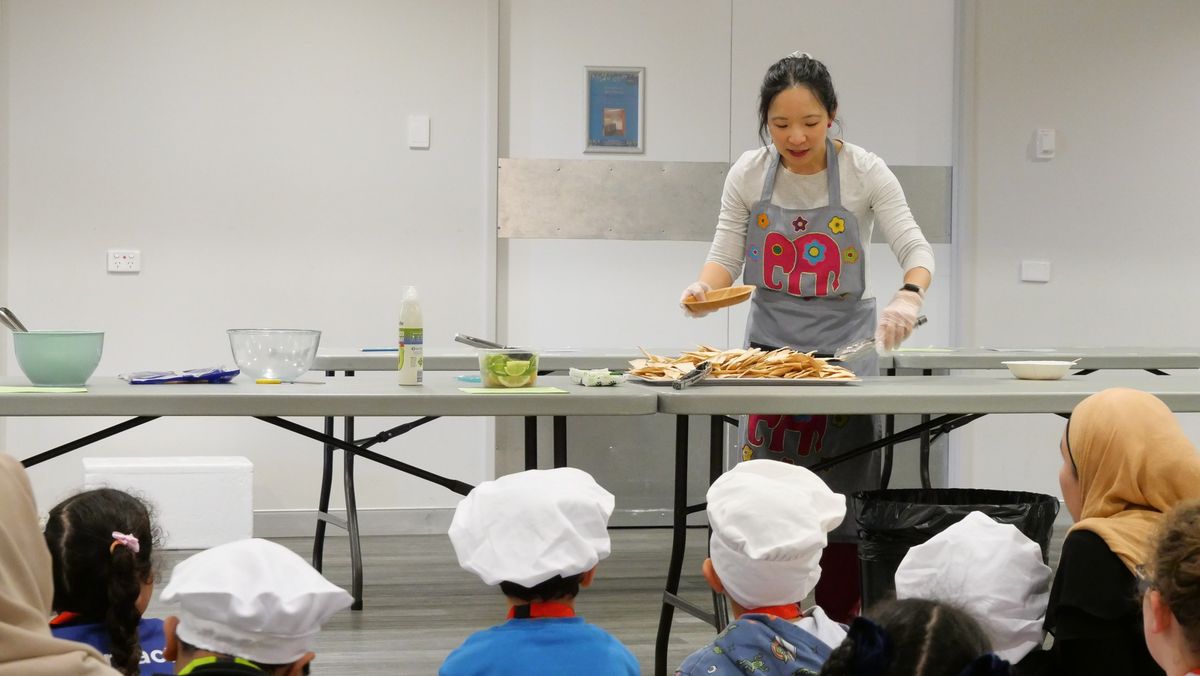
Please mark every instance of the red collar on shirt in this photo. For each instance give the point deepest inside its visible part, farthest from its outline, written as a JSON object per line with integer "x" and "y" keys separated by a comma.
{"x": 790, "y": 611}
{"x": 64, "y": 618}
{"x": 538, "y": 609}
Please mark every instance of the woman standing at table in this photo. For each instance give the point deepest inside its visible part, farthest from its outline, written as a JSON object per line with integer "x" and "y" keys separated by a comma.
{"x": 797, "y": 216}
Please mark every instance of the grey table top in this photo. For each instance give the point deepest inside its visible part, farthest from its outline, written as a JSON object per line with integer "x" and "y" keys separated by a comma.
{"x": 1089, "y": 357}
{"x": 466, "y": 359}
{"x": 993, "y": 393}
{"x": 959, "y": 358}
{"x": 439, "y": 395}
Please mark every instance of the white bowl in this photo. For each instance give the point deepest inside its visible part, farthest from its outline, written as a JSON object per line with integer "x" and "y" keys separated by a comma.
{"x": 274, "y": 353}
{"x": 1039, "y": 370}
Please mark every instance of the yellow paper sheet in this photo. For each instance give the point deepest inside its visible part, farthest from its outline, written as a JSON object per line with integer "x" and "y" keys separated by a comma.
{"x": 22, "y": 389}
{"x": 512, "y": 390}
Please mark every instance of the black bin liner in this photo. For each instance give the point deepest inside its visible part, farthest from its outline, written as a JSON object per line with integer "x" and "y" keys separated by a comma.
{"x": 892, "y": 520}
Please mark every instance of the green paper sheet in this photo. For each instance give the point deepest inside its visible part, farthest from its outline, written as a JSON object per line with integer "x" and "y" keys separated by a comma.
{"x": 22, "y": 389}
{"x": 512, "y": 390}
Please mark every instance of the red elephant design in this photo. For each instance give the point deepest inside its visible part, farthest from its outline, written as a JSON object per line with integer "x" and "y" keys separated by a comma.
{"x": 810, "y": 430}
{"x": 815, "y": 256}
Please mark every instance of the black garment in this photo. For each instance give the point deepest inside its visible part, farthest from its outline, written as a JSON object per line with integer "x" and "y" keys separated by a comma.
{"x": 225, "y": 668}
{"x": 1094, "y": 614}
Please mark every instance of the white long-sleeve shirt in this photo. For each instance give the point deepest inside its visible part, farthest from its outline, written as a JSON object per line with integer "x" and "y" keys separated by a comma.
{"x": 869, "y": 190}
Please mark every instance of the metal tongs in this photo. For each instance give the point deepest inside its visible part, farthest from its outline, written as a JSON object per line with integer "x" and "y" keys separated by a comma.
{"x": 483, "y": 344}
{"x": 858, "y": 349}
{"x": 10, "y": 320}
{"x": 477, "y": 342}
{"x": 694, "y": 376}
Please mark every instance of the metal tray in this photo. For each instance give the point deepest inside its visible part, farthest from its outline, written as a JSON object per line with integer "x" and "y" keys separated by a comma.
{"x": 710, "y": 381}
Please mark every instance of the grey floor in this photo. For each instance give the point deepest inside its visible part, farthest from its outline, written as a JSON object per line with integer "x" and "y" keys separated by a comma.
{"x": 420, "y": 605}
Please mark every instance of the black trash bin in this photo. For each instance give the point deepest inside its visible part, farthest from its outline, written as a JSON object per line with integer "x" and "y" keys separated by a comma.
{"x": 892, "y": 520}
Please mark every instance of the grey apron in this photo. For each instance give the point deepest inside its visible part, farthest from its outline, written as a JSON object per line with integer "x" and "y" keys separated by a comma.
{"x": 807, "y": 267}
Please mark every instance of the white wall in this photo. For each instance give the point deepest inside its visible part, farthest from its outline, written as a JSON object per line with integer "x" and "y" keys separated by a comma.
{"x": 702, "y": 80}
{"x": 1114, "y": 212}
{"x": 256, "y": 154}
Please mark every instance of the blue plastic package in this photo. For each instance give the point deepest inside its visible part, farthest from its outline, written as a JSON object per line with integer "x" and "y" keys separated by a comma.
{"x": 213, "y": 374}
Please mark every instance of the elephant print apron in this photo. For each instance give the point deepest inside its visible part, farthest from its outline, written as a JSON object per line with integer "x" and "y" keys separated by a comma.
{"x": 807, "y": 267}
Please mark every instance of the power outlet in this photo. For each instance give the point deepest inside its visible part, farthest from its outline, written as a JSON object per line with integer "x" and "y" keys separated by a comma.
{"x": 124, "y": 260}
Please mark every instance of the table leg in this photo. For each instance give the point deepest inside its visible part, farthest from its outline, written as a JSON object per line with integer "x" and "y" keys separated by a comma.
{"x": 925, "y": 446}
{"x": 678, "y": 540}
{"x": 716, "y": 466}
{"x": 889, "y": 424}
{"x": 356, "y": 568}
{"x": 531, "y": 442}
{"x": 318, "y": 554}
{"x": 560, "y": 441}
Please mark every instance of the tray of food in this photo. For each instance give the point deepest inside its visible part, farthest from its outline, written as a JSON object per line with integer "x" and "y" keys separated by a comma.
{"x": 751, "y": 366}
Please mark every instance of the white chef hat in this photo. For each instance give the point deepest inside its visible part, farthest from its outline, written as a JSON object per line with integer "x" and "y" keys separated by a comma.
{"x": 769, "y": 524}
{"x": 989, "y": 569}
{"x": 530, "y": 526}
{"x": 252, "y": 599}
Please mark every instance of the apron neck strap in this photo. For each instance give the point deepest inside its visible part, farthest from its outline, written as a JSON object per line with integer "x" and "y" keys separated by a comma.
{"x": 832, "y": 177}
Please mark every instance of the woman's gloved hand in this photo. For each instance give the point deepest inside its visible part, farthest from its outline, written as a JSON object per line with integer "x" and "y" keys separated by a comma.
{"x": 695, "y": 291}
{"x": 897, "y": 320}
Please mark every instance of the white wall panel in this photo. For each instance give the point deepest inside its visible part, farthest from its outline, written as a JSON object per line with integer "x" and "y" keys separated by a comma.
{"x": 1113, "y": 212}
{"x": 255, "y": 154}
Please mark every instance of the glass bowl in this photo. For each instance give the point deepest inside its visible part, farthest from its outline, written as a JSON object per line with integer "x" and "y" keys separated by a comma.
{"x": 274, "y": 353}
{"x": 508, "y": 368}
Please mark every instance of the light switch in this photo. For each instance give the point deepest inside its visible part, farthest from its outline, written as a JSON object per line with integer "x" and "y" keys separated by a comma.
{"x": 1035, "y": 271}
{"x": 1045, "y": 144}
{"x": 418, "y": 131}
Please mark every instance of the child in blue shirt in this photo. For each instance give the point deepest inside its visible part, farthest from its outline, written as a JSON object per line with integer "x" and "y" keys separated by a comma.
{"x": 101, "y": 547}
{"x": 539, "y": 535}
{"x": 770, "y": 521}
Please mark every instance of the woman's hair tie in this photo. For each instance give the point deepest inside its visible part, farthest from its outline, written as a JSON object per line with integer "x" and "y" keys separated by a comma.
{"x": 872, "y": 647}
{"x": 987, "y": 665}
{"x": 129, "y": 541}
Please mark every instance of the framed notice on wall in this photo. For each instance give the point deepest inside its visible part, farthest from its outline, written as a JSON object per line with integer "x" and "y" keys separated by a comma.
{"x": 615, "y": 109}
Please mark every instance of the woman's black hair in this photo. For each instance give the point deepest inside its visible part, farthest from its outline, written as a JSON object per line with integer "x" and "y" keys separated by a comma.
{"x": 797, "y": 70}
{"x": 913, "y": 637}
{"x": 555, "y": 588}
{"x": 95, "y": 578}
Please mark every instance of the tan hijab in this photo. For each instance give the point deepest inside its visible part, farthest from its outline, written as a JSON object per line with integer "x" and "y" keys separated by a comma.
{"x": 26, "y": 590}
{"x": 1134, "y": 463}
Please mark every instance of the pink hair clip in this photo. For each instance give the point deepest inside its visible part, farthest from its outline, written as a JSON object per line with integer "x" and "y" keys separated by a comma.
{"x": 129, "y": 541}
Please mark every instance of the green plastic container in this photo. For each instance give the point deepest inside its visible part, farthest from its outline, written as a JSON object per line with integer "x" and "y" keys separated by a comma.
{"x": 58, "y": 358}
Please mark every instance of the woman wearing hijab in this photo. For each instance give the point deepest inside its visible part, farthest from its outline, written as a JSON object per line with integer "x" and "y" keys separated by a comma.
{"x": 1126, "y": 462}
{"x": 26, "y": 645}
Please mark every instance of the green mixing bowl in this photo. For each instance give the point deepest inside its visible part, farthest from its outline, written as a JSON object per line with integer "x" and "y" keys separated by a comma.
{"x": 58, "y": 358}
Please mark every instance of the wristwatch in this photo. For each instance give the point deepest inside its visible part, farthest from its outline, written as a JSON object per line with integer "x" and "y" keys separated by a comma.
{"x": 913, "y": 287}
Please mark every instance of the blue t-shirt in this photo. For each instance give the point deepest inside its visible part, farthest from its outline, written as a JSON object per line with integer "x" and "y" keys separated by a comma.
{"x": 150, "y": 635}
{"x": 544, "y": 646}
{"x": 759, "y": 644}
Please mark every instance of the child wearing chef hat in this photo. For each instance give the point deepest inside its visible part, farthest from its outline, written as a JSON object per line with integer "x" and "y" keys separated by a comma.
{"x": 539, "y": 535}
{"x": 770, "y": 521}
{"x": 247, "y": 607}
{"x": 990, "y": 570}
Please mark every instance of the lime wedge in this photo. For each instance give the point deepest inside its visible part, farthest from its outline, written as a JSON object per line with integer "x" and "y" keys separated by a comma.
{"x": 514, "y": 381}
{"x": 516, "y": 368}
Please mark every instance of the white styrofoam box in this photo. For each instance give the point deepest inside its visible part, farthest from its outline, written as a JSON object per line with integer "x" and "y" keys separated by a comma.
{"x": 198, "y": 502}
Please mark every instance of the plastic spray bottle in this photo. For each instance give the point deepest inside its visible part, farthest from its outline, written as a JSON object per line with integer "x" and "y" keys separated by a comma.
{"x": 412, "y": 340}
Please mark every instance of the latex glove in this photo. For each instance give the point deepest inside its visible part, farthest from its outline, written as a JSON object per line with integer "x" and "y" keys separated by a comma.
{"x": 696, "y": 291}
{"x": 897, "y": 320}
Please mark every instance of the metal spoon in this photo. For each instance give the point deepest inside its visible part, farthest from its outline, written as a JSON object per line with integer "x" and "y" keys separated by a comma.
{"x": 10, "y": 320}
